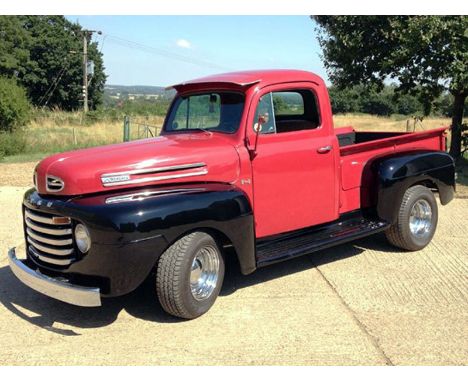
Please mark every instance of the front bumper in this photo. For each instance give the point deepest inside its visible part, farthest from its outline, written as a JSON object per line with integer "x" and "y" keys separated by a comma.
{"x": 55, "y": 288}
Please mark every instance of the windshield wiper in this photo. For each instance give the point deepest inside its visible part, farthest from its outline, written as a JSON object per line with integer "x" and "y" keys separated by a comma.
{"x": 200, "y": 129}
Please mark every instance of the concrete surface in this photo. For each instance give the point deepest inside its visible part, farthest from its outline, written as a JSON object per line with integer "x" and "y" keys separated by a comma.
{"x": 364, "y": 303}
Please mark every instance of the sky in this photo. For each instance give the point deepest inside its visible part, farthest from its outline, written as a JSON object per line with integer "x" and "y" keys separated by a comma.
{"x": 164, "y": 50}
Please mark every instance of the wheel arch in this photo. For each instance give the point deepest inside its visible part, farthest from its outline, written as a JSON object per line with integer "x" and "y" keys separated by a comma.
{"x": 224, "y": 211}
{"x": 396, "y": 173}
{"x": 227, "y": 245}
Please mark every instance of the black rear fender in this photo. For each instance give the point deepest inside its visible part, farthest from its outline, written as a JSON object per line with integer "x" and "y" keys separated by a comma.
{"x": 396, "y": 173}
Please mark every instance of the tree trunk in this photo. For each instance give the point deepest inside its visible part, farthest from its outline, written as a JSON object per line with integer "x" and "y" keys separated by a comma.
{"x": 457, "y": 118}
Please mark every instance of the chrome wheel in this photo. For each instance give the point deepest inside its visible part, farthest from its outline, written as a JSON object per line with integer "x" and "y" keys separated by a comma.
{"x": 420, "y": 220}
{"x": 204, "y": 273}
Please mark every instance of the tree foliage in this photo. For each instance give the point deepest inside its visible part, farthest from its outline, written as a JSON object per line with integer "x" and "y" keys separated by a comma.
{"x": 385, "y": 101}
{"x": 44, "y": 54}
{"x": 14, "y": 105}
{"x": 426, "y": 55}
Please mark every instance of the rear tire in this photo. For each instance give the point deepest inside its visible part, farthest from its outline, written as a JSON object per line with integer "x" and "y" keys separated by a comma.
{"x": 190, "y": 275}
{"x": 417, "y": 220}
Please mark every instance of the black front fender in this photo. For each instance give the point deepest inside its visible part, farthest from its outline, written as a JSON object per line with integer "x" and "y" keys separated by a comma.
{"x": 398, "y": 172}
{"x": 130, "y": 230}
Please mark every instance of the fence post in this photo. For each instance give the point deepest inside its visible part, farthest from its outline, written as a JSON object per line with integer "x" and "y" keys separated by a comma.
{"x": 126, "y": 129}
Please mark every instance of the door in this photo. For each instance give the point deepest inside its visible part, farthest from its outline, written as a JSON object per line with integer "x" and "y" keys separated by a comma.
{"x": 294, "y": 166}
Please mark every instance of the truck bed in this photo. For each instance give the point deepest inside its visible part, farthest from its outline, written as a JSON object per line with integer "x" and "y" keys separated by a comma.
{"x": 358, "y": 147}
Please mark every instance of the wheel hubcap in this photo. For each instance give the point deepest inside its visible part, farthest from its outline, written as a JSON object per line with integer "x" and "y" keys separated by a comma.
{"x": 204, "y": 273}
{"x": 420, "y": 221}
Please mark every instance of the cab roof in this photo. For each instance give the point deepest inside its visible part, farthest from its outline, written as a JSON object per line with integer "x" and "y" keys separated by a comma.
{"x": 249, "y": 78}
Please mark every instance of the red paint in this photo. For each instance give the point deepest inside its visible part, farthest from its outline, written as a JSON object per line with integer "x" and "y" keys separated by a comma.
{"x": 289, "y": 183}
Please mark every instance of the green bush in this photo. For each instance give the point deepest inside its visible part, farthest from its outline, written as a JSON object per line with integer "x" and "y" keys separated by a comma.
{"x": 345, "y": 100}
{"x": 407, "y": 104}
{"x": 14, "y": 105}
{"x": 12, "y": 143}
{"x": 378, "y": 104}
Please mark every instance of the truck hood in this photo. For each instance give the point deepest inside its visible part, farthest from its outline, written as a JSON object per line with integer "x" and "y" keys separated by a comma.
{"x": 172, "y": 158}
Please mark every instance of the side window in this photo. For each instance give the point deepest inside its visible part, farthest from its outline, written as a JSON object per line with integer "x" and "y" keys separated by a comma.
{"x": 288, "y": 111}
{"x": 288, "y": 103}
{"x": 264, "y": 121}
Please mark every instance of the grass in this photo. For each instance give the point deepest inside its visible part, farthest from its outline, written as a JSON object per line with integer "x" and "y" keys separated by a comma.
{"x": 366, "y": 122}
{"x": 57, "y": 132}
{"x": 54, "y": 132}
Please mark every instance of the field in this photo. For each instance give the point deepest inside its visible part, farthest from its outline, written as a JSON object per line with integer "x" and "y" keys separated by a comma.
{"x": 365, "y": 122}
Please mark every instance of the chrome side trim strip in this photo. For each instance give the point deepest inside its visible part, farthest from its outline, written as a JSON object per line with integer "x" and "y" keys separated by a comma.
{"x": 70, "y": 293}
{"x": 157, "y": 178}
{"x": 156, "y": 169}
{"x": 138, "y": 196}
{"x": 49, "y": 231}
{"x": 52, "y": 251}
{"x": 46, "y": 240}
{"x": 47, "y": 259}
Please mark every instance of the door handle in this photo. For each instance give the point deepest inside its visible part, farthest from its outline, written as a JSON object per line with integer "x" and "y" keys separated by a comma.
{"x": 324, "y": 149}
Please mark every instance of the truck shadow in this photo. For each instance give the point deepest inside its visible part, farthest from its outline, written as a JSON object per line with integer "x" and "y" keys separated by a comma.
{"x": 46, "y": 313}
{"x": 234, "y": 280}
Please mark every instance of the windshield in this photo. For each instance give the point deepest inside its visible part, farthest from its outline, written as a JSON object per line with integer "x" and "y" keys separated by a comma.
{"x": 214, "y": 111}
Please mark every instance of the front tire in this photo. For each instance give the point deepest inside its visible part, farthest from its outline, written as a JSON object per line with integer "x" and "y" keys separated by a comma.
{"x": 190, "y": 275}
{"x": 417, "y": 220}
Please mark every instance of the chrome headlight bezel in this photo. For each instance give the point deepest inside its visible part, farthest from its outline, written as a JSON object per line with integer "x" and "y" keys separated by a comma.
{"x": 82, "y": 238}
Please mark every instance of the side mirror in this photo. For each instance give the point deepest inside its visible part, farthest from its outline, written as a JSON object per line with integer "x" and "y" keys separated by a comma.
{"x": 262, "y": 119}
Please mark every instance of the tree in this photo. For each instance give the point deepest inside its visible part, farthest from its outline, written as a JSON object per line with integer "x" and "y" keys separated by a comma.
{"x": 44, "y": 54}
{"x": 14, "y": 105}
{"x": 14, "y": 47}
{"x": 378, "y": 102}
{"x": 421, "y": 54}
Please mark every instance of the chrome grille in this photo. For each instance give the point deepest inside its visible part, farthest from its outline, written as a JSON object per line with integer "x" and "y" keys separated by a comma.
{"x": 48, "y": 238}
{"x": 54, "y": 184}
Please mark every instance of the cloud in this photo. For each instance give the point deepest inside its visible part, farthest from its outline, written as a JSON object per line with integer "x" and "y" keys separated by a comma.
{"x": 183, "y": 43}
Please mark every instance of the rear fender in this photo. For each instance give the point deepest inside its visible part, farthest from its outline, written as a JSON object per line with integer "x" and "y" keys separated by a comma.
{"x": 399, "y": 171}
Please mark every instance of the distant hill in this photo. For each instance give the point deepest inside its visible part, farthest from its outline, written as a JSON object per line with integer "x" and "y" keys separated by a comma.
{"x": 134, "y": 89}
{"x": 133, "y": 92}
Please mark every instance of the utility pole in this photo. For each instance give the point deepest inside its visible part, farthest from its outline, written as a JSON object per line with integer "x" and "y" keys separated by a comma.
{"x": 85, "y": 71}
{"x": 87, "y": 34}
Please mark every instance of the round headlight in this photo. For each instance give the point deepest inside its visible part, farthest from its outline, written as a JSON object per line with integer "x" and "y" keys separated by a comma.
{"x": 82, "y": 238}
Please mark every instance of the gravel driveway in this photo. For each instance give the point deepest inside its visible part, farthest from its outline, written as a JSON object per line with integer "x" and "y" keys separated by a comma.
{"x": 363, "y": 303}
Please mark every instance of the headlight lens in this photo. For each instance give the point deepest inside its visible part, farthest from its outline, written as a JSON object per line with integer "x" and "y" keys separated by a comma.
{"x": 82, "y": 238}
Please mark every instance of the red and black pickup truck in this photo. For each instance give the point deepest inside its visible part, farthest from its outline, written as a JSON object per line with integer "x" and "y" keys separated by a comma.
{"x": 249, "y": 165}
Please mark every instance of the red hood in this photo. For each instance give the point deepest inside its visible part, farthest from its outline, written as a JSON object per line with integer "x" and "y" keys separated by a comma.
{"x": 175, "y": 158}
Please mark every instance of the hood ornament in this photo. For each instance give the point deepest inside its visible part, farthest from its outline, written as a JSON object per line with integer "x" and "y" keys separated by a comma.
{"x": 54, "y": 183}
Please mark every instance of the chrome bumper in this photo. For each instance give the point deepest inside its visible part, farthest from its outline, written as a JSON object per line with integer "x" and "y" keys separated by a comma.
{"x": 60, "y": 290}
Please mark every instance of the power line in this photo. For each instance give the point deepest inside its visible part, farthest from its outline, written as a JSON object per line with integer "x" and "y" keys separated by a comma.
{"x": 162, "y": 52}
{"x": 52, "y": 92}
{"x": 54, "y": 84}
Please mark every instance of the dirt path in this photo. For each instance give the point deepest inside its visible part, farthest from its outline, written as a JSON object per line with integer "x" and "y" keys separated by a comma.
{"x": 17, "y": 174}
{"x": 363, "y": 303}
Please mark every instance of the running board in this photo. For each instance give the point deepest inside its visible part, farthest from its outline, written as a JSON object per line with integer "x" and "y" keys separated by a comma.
{"x": 297, "y": 243}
